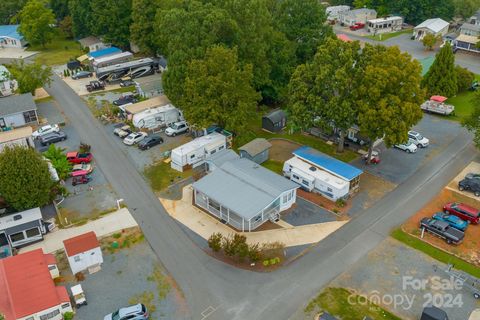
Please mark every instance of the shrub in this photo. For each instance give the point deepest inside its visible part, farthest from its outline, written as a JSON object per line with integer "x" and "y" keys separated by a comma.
{"x": 273, "y": 261}
{"x": 68, "y": 315}
{"x": 215, "y": 242}
{"x": 254, "y": 253}
{"x": 117, "y": 235}
{"x": 266, "y": 263}
{"x": 340, "y": 202}
{"x": 273, "y": 249}
{"x": 79, "y": 276}
{"x": 227, "y": 246}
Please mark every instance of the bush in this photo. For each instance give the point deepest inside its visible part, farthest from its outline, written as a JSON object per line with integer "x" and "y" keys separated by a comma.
{"x": 254, "y": 253}
{"x": 228, "y": 247}
{"x": 84, "y": 147}
{"x": 465, "y": 78}
{"x": 68, "y": 316}
{"x": 215, "y": 242}
{"x": 340, "y": 202}
{"x": 266, "y": 263}
{"x": 79, "y": 276}
{"x": 272, "y": 250}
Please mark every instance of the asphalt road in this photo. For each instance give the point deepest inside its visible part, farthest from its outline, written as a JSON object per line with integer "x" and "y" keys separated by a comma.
{"x": 214, "y": 290}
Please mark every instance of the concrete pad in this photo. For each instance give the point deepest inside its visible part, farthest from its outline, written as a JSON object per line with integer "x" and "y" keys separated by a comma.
{"x": 473, "y": 167}
{"x": 205, "y": 225}
{"x": 40, "y": 93}
{"x": 53, "y": 241}
{"x": 8, "y": 55}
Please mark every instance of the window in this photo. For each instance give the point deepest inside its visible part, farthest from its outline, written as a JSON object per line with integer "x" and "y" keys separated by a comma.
{"x": 50, "y": 315}
{"x": 30, "y": 318}
{"x": 52, "y": 267}
{"x": 305, "y": 182}
{"x": 213, "y": 204}
{"x": 32, "y": 232}
{"x": 213, "y": 151}
{"x": 17, "y": 237}
{"x": 92, "y": 253}
{"x": 76, "y": 258}
{"x": 295, "y": 177}
{"x": 65, "y": 305}
{"x": 221, "y": 148}
{"x": 192, "y": 156}
{"x": 285, "y": 198}
{"x": 30, "y": 116}
{"x": 329, "y": 189}
{"x": 290, "y": 195}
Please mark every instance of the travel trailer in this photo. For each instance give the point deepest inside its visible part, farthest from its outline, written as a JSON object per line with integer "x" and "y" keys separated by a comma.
{"x": 157, "y": 117}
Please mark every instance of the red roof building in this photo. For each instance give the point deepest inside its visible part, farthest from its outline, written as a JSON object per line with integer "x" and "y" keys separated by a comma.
{"x": 27, "y": 288}
{"x": 84, "y": 253}
{"x": 81, "y": 243}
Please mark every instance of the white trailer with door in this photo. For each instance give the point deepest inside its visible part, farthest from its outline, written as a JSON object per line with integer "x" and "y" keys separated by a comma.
{"x": 194, "y": 153}
{"x": 157, "y": 117}
{"x": 313, "y": 179}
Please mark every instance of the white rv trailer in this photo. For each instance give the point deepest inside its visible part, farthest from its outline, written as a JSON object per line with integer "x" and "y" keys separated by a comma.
{"x": 23, "y": 228}
{"x": 333, "y": 11}
{"x": 196, "y": 151}
{"x": 157, "y": 117}
{"x": 105, "y": 61}
{"x": 313, "y": 179}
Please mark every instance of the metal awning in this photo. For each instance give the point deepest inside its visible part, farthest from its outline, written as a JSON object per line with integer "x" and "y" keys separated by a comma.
{"x": 82, "y": 58}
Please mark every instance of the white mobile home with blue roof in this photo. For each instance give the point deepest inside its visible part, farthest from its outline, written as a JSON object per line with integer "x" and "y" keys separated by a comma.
{"x": 10, "y": 37}
{"x": 319, "y": 173}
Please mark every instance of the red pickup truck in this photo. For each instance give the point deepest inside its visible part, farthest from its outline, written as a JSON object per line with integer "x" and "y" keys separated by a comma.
{"x": 75, "y": 157}
{"x": 357, "y": 26}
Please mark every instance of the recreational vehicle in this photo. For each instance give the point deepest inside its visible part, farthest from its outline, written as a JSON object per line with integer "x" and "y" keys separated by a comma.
{"x": 132, "y": 69}
{"x": 194, "y": 153}
{"x": 113, "y": 59}
{"x": 138, "y": 107}
{"x": 157, "y": 117}
{"x": 23, "y": 228}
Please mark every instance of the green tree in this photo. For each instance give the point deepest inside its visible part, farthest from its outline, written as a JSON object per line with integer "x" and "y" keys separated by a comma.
{"x": 143, "y": 22}
{"x": 472, "y": 122}
{"x": 389, "y": 94}
{"x": 25, "y": 180}
{"x": 60, "y": 8}
{"x": 9, "y": 10}
{"x": 81, "y": 13}
{"x": 381, "y": 6}
{"x": 417, "y": 11}
{"x": 466, "y": 8}
{"x": 219, "y": 90}
{"x": 429, "y": 41}
{"x": 465, "y": 78}
{"x": 441, "y": 78}
{"x": 215, "y": 241}
{"x": 322, "y": 92}
{"x": 59, "y": 161}
{"x": 111, "y": 19}
{"x": 36, "y": 21}
{"x": 66, "y": 26}
{"x": 30, "y": 76}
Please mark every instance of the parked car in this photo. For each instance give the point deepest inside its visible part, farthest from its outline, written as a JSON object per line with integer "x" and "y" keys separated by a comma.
{"x": 134, "y": 138}
{"x": 149, "y": 142}
{"x": 472, "y": 175}
{"x": 49, "y": 128}
{"x": 82, "y": 74}
{"x": 472, "y": 185}
{"x": 177, "y": 128}
{"x": 52, "y": 137}
{"x": 125, "y": 99}
{"x": 95, "y": 85}
{"x": 135, "y": 312}
{"x": 357, "y": 26}
{"x": 418, "y": 139}
{"x": 374, "y": 158}
{"x": 408, "y": 146}
{"x": 452, "y": 220}
{"x": 122, "y": 131}
{"x": 76, "y": 157}
{"x": 127, "y": 83}
{"x": 443, "y": 230}
{"x": 87, "y": 167}
{"x": 462, "y": 211}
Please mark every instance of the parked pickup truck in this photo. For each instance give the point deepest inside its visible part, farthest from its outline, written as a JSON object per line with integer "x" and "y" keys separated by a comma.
{"x": 75, "y": 157}
{"x": 443, "y": 230}
{"x": 95, "y": 85}
{"x": 357, "y": 26}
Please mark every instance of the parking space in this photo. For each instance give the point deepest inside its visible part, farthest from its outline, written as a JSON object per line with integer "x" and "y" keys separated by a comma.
{"x": 50, "y": 112}
{"x": 397, "y": 165}
{"x": 306, "y": 212}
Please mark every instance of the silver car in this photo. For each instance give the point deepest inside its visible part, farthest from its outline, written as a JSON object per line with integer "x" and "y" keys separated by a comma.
{"x": 135, "y": 312}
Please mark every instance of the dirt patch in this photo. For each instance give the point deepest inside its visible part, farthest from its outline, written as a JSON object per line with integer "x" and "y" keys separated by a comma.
{"x": 125, "y": 238}
{"x": 281, "y": 149}
{"x": 469, "y": 249}
{"x": 375, "y": 188}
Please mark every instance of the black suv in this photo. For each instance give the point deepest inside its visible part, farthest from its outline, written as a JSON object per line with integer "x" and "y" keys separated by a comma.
{"x": 149, "y": 142}
{"x": 442, "y": 229}
{"x": 52, "y": 138}
{"x": 125, "y": 99}
{"x": 471, "y": 185}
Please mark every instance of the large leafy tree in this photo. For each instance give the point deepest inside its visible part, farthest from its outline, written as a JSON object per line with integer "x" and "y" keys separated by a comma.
{"x": 81, "y": 13}
{"x": 389, "y": 94}
{"x": 30, "y": 76}
{"x": 441, "y": 78}
{"x": 143, "y": 21}
{"x": 380, "y": 5}
{"x": 219, "y": 90}
{"x": 59, "y": 161}
{"x": 465, "y": 78}
{"x": 9, "y": 10}
{"x": 416, "y": 11}
{"x": 25, "y": 180}
{"x": 111, "y": 19}
{"x": 466, "y": 8}
{"x": 322, "y": 92}
{"x": 60, "y": 8}
{"x": 36, "y": 21}
{"x": 472, "y": 122}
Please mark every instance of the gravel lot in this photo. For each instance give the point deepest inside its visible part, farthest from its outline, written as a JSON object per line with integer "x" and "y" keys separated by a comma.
{"x": 388, "y": 271}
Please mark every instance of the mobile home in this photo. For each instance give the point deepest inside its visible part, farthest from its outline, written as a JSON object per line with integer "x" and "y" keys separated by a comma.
{"x": 157, "y": 117}
{"x": 194, "y": 153}
{"x": 23, "y": 228}
{"x": 151, "y": 103}
{"x": 113, "y": 59}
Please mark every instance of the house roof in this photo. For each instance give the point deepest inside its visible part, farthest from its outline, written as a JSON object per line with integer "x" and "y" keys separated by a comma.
{"x": 256, "y": 146}
{"x": 470, "y": 26}
{"x": 15, "y": 134}
{"x": 104, "y": 52}
{"x": 19, "y": 218}
{"x": 385, "y": 19}
{"x": 355, "y": 12}
{"x": 276, "y": 115}
{"x": 10, "y": 31}
{"x": 147, "y": 104}
{"x": 434, "y": 25}
{"x": 27, "y": 286}
{"x": 88, "y": 41}
{"x": 16, "y": 104}
{"x": 467, "y": 39}
{"x": 222, "y": 156}
{"x": 81, "y": 243}
{"x": 244, "y": 186}
{"x": 332, "y": 165}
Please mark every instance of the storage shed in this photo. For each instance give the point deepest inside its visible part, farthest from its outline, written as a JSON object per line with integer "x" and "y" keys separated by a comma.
{"x": 256, "y": 150}
{"x": 84, "y": 253}
{"x": 275, "y": 121}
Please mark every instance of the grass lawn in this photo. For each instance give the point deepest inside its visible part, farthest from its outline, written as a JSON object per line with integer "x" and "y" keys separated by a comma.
{"x": 435, "y": 253}
{"x": 275, "y": 166}
{"x": 161, "y": 175}
{"x": 57, "y": 52}
{"x": 386, "y": 36}
{"x": 463, "y": 104}
{"x": 338, "y": 302}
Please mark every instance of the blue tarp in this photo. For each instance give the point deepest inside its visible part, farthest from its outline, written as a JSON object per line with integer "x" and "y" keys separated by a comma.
{"x": 328, "y": 163}
{"x": 104, "y": 52}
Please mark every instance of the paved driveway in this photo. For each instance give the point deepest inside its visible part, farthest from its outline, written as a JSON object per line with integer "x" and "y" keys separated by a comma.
{"x": 306, "y": 212}
{"x": 397, "y": 165}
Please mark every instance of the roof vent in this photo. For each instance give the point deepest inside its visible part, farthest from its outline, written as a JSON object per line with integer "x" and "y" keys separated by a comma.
{"x": 17, "y": 217}
{"x": 313, "y": 169}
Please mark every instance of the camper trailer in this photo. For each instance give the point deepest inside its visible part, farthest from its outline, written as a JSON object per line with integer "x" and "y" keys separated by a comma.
{"x": 23, "y": 228}
{"x": 106, "y": 61}
{"x": 157, "y": 117}
{"x": 313, "y": 179}
{"x": 193, "y": 153}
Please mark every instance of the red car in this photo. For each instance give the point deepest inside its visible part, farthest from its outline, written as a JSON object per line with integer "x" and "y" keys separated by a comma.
{"x": 75, "y": 157}
{"x": 462, "y": 211}
{"x": 357, "y": 26}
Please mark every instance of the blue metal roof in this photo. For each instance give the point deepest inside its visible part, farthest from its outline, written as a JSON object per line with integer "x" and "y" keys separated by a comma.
{"x": 328, "y": 163}
{"x": 104, "y": 52}
{"x": 11, "y": 31}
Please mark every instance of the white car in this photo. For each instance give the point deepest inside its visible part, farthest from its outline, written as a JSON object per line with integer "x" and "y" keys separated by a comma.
{"x": 177, "y": 128}
{"x": 134, "y": 137}
{"x": 408, "y": 146}
{"x": 418, "y": 139}
{"x": 45, "y": 130}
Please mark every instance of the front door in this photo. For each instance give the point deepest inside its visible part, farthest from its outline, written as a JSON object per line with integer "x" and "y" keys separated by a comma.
{"x": 2, "y": 123}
